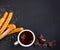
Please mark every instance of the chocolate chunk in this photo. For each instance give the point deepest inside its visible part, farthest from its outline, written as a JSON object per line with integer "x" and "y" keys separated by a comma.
{"x": 51, "y": 44}
{"x": 40, "y": 37}
{"x": 42, "y": 41}
{"x": 36, "y": 43}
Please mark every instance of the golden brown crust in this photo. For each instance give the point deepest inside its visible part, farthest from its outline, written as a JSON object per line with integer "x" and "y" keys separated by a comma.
{"x": 2, "y": 20}
{"x": 6, "y": 22}
{"x": 16, "y": 30}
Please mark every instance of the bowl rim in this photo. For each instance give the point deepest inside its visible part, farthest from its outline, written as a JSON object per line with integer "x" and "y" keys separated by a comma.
{"x": 28, "y": 44}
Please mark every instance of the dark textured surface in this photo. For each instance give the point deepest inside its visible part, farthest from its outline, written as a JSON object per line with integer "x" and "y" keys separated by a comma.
{"x": 40, "y": 16}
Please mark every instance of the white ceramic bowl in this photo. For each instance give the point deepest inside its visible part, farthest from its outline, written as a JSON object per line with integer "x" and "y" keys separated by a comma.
{"x": 18, "y": 40}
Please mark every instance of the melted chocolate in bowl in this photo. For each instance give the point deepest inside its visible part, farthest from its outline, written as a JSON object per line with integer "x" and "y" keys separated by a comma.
{"x": 26, "y": 37}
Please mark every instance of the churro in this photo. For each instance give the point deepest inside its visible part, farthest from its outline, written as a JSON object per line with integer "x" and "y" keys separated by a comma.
{"x": 6, "y": 22}
{"x": 2, "y": 20}
{"x": 12, "y": 26}
{"x": 16, "y": 30}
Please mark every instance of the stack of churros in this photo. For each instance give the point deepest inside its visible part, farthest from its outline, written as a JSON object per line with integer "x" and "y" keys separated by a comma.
{"x": 5, "y": 27}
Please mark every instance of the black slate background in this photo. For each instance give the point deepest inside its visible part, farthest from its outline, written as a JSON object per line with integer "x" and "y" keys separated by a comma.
{"x": 40, "y": 16}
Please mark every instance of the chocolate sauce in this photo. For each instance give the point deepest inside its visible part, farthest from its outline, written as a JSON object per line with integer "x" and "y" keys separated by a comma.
{"x": 26, "y": 37}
